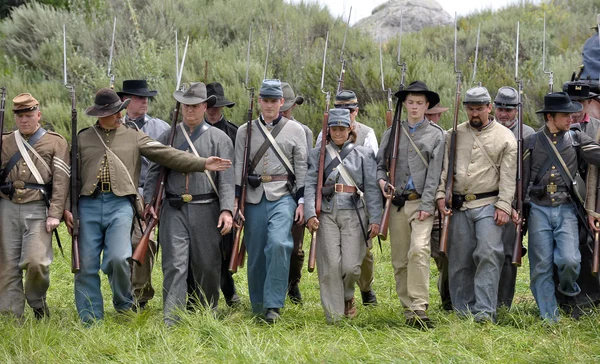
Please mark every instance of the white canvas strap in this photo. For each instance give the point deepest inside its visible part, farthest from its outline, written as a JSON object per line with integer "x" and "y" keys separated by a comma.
{"x": 276, "y": 146}
{"x": 189, "y": 141}
{"x": 27, "y": 158}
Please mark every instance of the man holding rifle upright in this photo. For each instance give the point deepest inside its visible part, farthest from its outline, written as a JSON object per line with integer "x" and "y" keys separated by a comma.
{"x": 276, "y": 184}
{"x": 418, "y": 168}
{"x": 110, "y": 162}
{"x": 34, "y": 184}
{"x": 483, "y": 191}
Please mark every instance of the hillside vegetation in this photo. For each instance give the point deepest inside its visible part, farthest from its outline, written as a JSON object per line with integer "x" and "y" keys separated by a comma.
{"x": 31, "y": 42}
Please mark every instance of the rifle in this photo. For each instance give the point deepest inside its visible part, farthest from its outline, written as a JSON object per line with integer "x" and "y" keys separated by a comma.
{"x": 75, "y": 263}
{"x": 2, "y": 107}
{"x": 110, "y": 57}
{"x": 388, "y": 112}
{"x": 548, "y": 72}
{"x": 451, "y": 153}
{"x": 141, "y": 250}
{"x": 596, "y": 250}
{"x": 392, "y": 154}
{"x": 239, "y": 249}
{"x": 517, "y": 250}
{"x": 474, "y": 79}
{"x": 342, "y": 60}
{"x": 312, "y": 255}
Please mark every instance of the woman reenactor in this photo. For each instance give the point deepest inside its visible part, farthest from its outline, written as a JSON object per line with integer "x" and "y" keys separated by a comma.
{"x": 349, "y": 188}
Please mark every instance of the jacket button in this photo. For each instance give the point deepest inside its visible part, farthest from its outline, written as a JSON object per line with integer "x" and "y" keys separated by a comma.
{"x": 553, "y": 167}
{"x": 466, "y": 189}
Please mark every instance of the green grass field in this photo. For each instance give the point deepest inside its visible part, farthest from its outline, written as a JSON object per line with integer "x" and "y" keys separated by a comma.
{"x": 375, "y": 335}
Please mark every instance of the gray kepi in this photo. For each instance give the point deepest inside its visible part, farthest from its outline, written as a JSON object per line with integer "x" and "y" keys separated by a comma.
{"x": 339, "y": 117}
{"x": 477, "y": 95}
{"x": 270, "y": 89}
{"x": 507, "y": 98}
{"x": 195, "y": 94}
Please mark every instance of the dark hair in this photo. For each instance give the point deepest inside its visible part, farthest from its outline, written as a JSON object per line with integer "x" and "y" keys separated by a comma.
{"x": 351, "y": 137}
{"x": 549, "y": 113}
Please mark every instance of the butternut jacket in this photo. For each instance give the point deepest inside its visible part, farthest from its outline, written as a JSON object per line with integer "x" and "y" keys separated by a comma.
{"x": 54, "y": 150}
{"x": 361, "y": 165}
{"x": 474, "y": 174}
{"x": 429, "y": 138}
{"x": 129, "y": 145}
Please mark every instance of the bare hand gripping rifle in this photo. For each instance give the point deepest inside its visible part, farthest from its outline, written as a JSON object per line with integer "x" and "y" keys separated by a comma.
{"x": 342, "y": 60}
{"x": 392, "y": 153}
{"x": 312, "y": 255}
{"x": 518, "y": 246}
{"x": 451, "y": 153}
{"x": 142, "y": 248}
{"x": 238, "y": 249}
{"x": 75, "y": 264}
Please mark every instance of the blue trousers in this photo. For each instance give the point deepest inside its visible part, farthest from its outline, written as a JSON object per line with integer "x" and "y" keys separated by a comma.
{"x": 548, "y": 225}
{"x": 104, "y": 228}
{"x": 269, "y": 244}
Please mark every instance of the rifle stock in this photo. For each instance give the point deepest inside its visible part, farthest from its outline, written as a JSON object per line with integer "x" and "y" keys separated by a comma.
{"x": 312, "y": 256}
{"x": 450, "y": 175}
{"x": 139, "y": 254}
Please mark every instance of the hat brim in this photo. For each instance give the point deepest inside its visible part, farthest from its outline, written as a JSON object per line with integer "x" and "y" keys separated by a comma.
{"x": 137, "y": 93}
{"x": 432, "y": 97}
{"x": 573, "y": 107}
{"x": 505, "y": 106}
{"x": 94, "y": 111}
{"x": 299, "y": 100}
{"x": 223, "y": 102}
{"x": 436, "y": 110}
{"x": 591, "y": 95}
{"x": 210, "y": 101}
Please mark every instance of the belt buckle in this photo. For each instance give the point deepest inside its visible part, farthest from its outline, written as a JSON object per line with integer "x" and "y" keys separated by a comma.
{"x": 19, "y": 185}
{"x": 186, "y": 197}
{"x": 551, "y": 188}
{"x": 265, "y": 178}
{"x": 412, "y": 196}
{"x": 338, "y": 188}
{"x": 104, "y": 186}
{"x": 470, "y": 197}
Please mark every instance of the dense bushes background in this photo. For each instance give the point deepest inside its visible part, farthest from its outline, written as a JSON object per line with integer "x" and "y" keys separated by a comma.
{"x": 31, "y": 45}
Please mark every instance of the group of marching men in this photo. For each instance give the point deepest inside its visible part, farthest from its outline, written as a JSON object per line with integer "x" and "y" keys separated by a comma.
{"x": 120, "y": 156}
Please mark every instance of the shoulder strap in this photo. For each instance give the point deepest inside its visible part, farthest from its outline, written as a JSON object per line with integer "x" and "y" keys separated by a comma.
{"x": 564, "y": 170}
{"x": 336, "y": 161}
{"x": 116, "y": 157}
{"x": 483, "y": 151}
{"x": 266, "y": 144}
{"x": 191, "y": 144}
{"x": 27, "y": 158}
{"x": 415, "y": 146}
{"x": 195, "y": 135}
{"x": 15, "y": 158}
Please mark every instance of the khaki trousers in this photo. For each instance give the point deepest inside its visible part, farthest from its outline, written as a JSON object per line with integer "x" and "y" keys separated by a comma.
{"x": 24, "y": 245}
{"x": 340, "y": 250}
{"x": 141, "y": 275}
{"x": 409, "y": 241}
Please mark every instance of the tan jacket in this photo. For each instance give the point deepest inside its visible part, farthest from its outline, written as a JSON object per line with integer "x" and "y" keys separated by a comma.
{"x": 54, "y": 150}
{"x": 129, "y": 145}
{"x": 474, "y": 173}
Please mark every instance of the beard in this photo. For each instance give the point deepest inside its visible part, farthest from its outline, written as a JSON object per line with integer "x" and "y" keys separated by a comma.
{"x": 476, "y": 123}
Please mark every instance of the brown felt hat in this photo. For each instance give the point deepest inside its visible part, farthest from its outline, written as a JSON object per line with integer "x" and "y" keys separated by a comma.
{"x": 437, "y": 109}
{"x": 106, "y": 103}
{"x": 25, "y": 103}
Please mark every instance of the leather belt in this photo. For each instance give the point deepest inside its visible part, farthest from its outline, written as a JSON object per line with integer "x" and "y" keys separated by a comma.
{"x": 555, "y": 188}
{"x": 478, "y": 196}
{"x": 25, "y": 185}
{"x": 186, "y": 197}
{"x": 411, "y": 195}
{"x": 275, "y": 177}
{"x": 339, "y": 188}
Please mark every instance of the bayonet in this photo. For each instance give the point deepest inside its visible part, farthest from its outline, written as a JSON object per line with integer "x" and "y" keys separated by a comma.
{"x": 180, "y": 72}
{"x": 388, "y": 113}
{"x": 176, "y": 57}
{"x": 474, "y": 79}
{"x": 268, "y": 50}
{"x": 110, "y": 56}
{"x": 548, "y": 72}
{"x": 342, "y": 60}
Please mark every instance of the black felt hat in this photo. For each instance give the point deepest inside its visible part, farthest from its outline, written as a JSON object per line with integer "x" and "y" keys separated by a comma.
{"x": 419, "y": 87}
{"x": 216, "y": 89}
{"x": 136, "y": 88}
{"x": 559, "y": 102}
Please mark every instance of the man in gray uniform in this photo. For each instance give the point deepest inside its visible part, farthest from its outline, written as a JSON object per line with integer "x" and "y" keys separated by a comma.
{"x": 483, "y": 191}
{"x": 505, "y": 110}
{"x": 297, "y": 259}
{"x": 365, "y": 136}
{"x": 136, "y": 117}
{"x": 198, "y": 208}
{"x": 580, "y": 92}
{"x": 275, "y": 184}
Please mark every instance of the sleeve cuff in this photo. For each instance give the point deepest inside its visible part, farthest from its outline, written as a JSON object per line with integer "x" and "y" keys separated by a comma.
{"x": 300, "y": 194}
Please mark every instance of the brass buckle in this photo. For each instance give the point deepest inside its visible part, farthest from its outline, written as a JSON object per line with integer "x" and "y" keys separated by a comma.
{"x": 19, "y": 185}
{"x": 470, "y": 197}
{"x": 338, "y": 188}
{"x": 551, "y": 188}
{"x": 265, "y": 178}
{"x": 105, "y": 187}
{"x": 186, "y": 197}
{"x": 413, "y": 196}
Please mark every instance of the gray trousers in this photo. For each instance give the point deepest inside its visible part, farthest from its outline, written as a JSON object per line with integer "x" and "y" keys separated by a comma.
{"x": 190, "y": 240}
{"x": 24, "y": 245}
{"x": 475, "y": 256}
{"x": 141, "y": 275}
{"x": 341, "y": 249}
{"x": 508, "y": 275}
